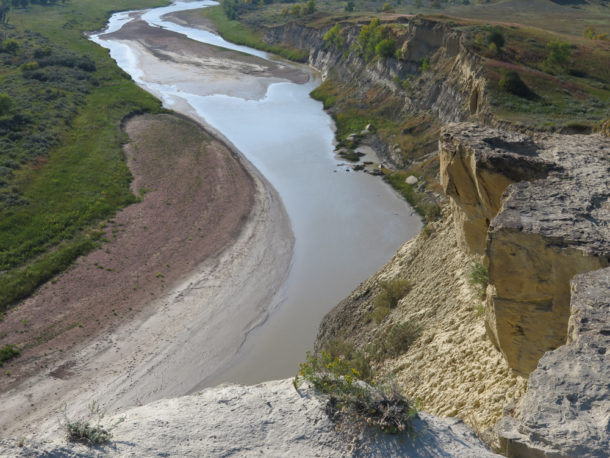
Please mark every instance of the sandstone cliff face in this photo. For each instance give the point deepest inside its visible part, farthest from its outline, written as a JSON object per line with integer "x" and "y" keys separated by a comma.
{"x": 453, "y": 89}
{"x": 452, "y": 367}
{"x": 565, "y": 412}
{"x": 476, "y": 167}
{"x": 539, "y": 210}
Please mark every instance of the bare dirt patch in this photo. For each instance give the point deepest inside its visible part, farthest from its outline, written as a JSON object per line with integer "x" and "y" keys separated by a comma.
{"x": 195, "y": 197}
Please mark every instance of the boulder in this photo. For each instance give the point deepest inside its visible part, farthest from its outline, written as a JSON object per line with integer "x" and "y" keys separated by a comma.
{"x": 411, "y": 180}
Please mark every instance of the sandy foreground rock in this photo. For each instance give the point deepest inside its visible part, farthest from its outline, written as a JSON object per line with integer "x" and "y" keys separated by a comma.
{"x": 270, "y": 419}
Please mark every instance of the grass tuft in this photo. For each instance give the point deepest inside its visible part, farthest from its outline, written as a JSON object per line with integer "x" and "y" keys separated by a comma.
{"x": 392, "y": 291}
{"x": 479, "y": 277}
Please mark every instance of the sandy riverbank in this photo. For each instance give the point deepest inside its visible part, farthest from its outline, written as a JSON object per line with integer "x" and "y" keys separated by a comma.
{"x": 170, "y": 297}
{"x": 199, "y": 68}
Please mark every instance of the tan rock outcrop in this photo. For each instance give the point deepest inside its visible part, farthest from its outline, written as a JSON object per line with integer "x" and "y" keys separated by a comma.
{"x": 539, "y": 210}
{"x": 565, "y": 410}
{"x": 529, "y": 304}
{"x": 476, "y": 167}
{"x": 546, "y": 232}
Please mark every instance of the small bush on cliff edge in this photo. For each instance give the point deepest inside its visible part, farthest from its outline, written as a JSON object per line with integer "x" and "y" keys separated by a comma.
{"x": 511, "y": 82}
{"x": 90, "y": 431}
{"x": 8, "y": 352}
{"x": 353, "y": 403}
{"x": 392, "y": 291}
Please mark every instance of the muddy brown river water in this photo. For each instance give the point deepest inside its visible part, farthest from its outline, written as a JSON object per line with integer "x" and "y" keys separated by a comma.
{"x": 346, "y": 224}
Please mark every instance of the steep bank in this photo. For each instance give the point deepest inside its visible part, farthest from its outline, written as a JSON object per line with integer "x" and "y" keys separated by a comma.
{"x": 453, "y": 92}
{"x": 538, "y": 234}
{"x": 452, "y": 367}
{"x": 404, "y": 103}
{"x": 534, "y": 209}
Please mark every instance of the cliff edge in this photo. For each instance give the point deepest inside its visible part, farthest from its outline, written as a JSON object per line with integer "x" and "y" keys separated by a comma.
{"x": 271, "y": 419}
{"x": 536, "y": 211}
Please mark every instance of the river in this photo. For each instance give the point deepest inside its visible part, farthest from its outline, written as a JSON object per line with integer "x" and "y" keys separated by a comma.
{"x": 346, "y": 224}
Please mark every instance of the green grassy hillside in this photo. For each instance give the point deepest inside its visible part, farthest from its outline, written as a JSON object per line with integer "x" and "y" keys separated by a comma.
{"x": 61, "y": 164}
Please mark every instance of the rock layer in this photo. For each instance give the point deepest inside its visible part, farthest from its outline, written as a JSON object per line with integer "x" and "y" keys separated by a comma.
{"x": 539, "y": 210}
{"x": 271, "y": 419}
{"x": 476, "y": 166}
{"x": 566, "y": 410}
{"x": 547, "y": 231}
{"x": 452, "y": 90}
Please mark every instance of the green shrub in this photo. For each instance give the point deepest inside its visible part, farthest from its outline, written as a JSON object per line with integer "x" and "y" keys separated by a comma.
{"x": 479, "y": 277}
{"x": 379, "y": 313}
{"x": 334, "y": 36}
{"x": 496, "y": 38}
{"x": 397, "y": 340}
{"x": 6, "y": 104}
{"x": 433, "y": 211}
{"x": 90, "y": 431}
{"x": 511, "y": 82}
{"x": 425, "y": 64}
{"x": 559, "y": 55}
{"x": 391, "y": 292}
{"x": 353, "y": 403}
{"x": 354, "y": 358}
{"x": 8, "y": 352}
{"x": 370, "y": 36}
{"x": 385, "y": 48}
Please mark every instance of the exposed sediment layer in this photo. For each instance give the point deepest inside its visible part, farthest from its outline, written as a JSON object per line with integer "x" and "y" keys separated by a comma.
{"x": 565, "y": 412}
{"x": 550, "y": 222}
{"x": 453, "y": 93}
{"x": 452, "y": 367}
{"x": 476, "y": 167}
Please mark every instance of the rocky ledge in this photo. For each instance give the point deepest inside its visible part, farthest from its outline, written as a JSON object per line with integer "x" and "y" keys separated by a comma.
{"x": 270, "y": 419}
{"x": 566, "y": 410}
{"x": 539, "y": 210}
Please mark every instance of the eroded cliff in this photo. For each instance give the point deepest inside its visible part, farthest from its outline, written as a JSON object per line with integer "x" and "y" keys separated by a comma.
{"x": 538, "y": 209}
{"x": 454, "y": 91}
{"x": 565, "y": 410}
{"x": 451, "y": 89}
{"x": 534, "y": 209}
{"x": 452, "y": 367}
